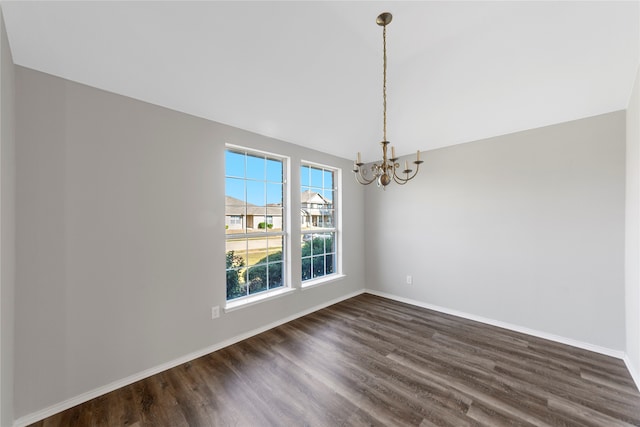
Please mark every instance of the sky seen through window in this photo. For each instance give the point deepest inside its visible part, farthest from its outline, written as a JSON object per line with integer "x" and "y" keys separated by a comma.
{"x": 258, "y": 180}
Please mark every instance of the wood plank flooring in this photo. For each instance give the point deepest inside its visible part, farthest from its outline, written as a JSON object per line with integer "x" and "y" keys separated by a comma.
{"x": 373, "y": 361}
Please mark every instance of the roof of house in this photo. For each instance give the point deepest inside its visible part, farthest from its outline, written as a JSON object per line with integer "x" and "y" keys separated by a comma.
{"x": 235, "y": 206}
{"x": 309, "y": 196}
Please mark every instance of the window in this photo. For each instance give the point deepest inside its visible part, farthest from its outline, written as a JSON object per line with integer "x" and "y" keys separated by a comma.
{"x": 318, "y": 221}
{"x": 255, "y": 226}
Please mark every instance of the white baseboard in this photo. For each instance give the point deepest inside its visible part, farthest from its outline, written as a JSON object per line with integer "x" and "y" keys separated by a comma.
{"x": 551, "y": 337}
{"x": 92, "y": 394}
{"x": 632, "y": 370}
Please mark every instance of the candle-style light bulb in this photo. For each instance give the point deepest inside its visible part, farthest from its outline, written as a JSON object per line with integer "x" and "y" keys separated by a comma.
{"x": 358, "y": 158}
{"x": 418, "y": 156}
{"x": 406, "y": 165}
{"x": 393, "y": 152}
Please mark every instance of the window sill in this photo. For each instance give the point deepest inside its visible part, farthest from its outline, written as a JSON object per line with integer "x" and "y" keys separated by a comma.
{"x": 322, "y": 281}
{"x": 249, "y": 301}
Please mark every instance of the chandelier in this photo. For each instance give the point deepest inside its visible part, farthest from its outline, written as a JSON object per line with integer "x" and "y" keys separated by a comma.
{"x": 388, "y": 169}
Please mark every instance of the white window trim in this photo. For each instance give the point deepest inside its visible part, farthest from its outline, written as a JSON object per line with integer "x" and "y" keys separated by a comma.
{"x": 322, "y": 280}
{"x": 250, "y": 300}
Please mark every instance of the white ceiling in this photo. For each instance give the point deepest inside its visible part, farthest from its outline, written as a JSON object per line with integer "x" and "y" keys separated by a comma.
{"x": 311, "y": 72}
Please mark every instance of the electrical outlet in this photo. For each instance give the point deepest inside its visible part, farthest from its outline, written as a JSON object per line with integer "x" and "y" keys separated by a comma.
{"x": 409, "y": 280}
{"x": 215, "y": 312}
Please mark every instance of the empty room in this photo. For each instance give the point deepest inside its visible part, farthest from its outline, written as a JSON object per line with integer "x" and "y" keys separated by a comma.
{"x": 319, "y": 213}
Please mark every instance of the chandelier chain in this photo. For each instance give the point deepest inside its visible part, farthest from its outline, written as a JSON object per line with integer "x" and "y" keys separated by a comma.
{"x": 384, "y": 82}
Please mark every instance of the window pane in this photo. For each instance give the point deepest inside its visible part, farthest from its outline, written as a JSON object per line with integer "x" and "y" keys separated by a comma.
{"x": 330, "y": 243}
{"x": 274, "y": 170}
{"x": 276, "y": 271}
{"x": 318, "y": 266}
{"x": 274, "y": 194}
{"x": 329, "y": 264}
{"x": 235, "y": 284}
{"x": 257, "y": 250}
{"x": 257, "y": 279}
{"x": 306, "y": 269}
{"x": 274, "y": 250}
{"x": 256, "y": 167}
{"x": 305, "y": 176}
{"x": 235, "y": 191}
{"x": 256, "y": 193}
{"x": 328, "y": 196}
{"x": 236, "y": 261}
{"x": 307, "y": 248}
{"x": 234, "y": 206}
{"x": 316, "y": 177}
{"x": 238, "y": 250}
{"x": 234, "y": 164}
{"x": 273, "y": 220}
{"x": 328, "y": 179}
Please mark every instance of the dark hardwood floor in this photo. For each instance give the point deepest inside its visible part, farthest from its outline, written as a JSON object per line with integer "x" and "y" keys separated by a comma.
{"x": 373, "y": 361}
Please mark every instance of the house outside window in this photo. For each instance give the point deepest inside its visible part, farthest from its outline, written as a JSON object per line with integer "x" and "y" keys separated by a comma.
{"x": 254, "y": 224}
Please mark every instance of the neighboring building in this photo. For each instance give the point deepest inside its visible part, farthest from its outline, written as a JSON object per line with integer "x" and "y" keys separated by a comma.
{"x": 315, "y": 211}
{"x": 239, "y": 215}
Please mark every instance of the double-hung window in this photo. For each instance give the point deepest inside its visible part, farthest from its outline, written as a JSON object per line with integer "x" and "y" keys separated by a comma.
{"x": 318, "y": 221}
{"x": 255, "y": 210}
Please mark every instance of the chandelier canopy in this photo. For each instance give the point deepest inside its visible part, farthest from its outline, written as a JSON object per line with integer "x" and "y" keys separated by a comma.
{"x": 387, "y": 169}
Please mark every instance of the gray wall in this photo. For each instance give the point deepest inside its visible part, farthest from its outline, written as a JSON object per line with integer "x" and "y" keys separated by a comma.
{"x": 120, "y": 247}
{"x": 7, "y": 227}
{"x": 632, "y": 232}
{"x": 526, "y": 229}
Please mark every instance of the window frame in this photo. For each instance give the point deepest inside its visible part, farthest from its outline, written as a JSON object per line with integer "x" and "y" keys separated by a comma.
{"x": 284, "y": 233}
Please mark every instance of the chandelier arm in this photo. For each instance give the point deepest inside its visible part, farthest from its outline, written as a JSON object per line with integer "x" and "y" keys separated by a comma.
{"x": 400, "y": 180}
{"x": 363, "y": 182}
{"x": 361, "y": 177}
